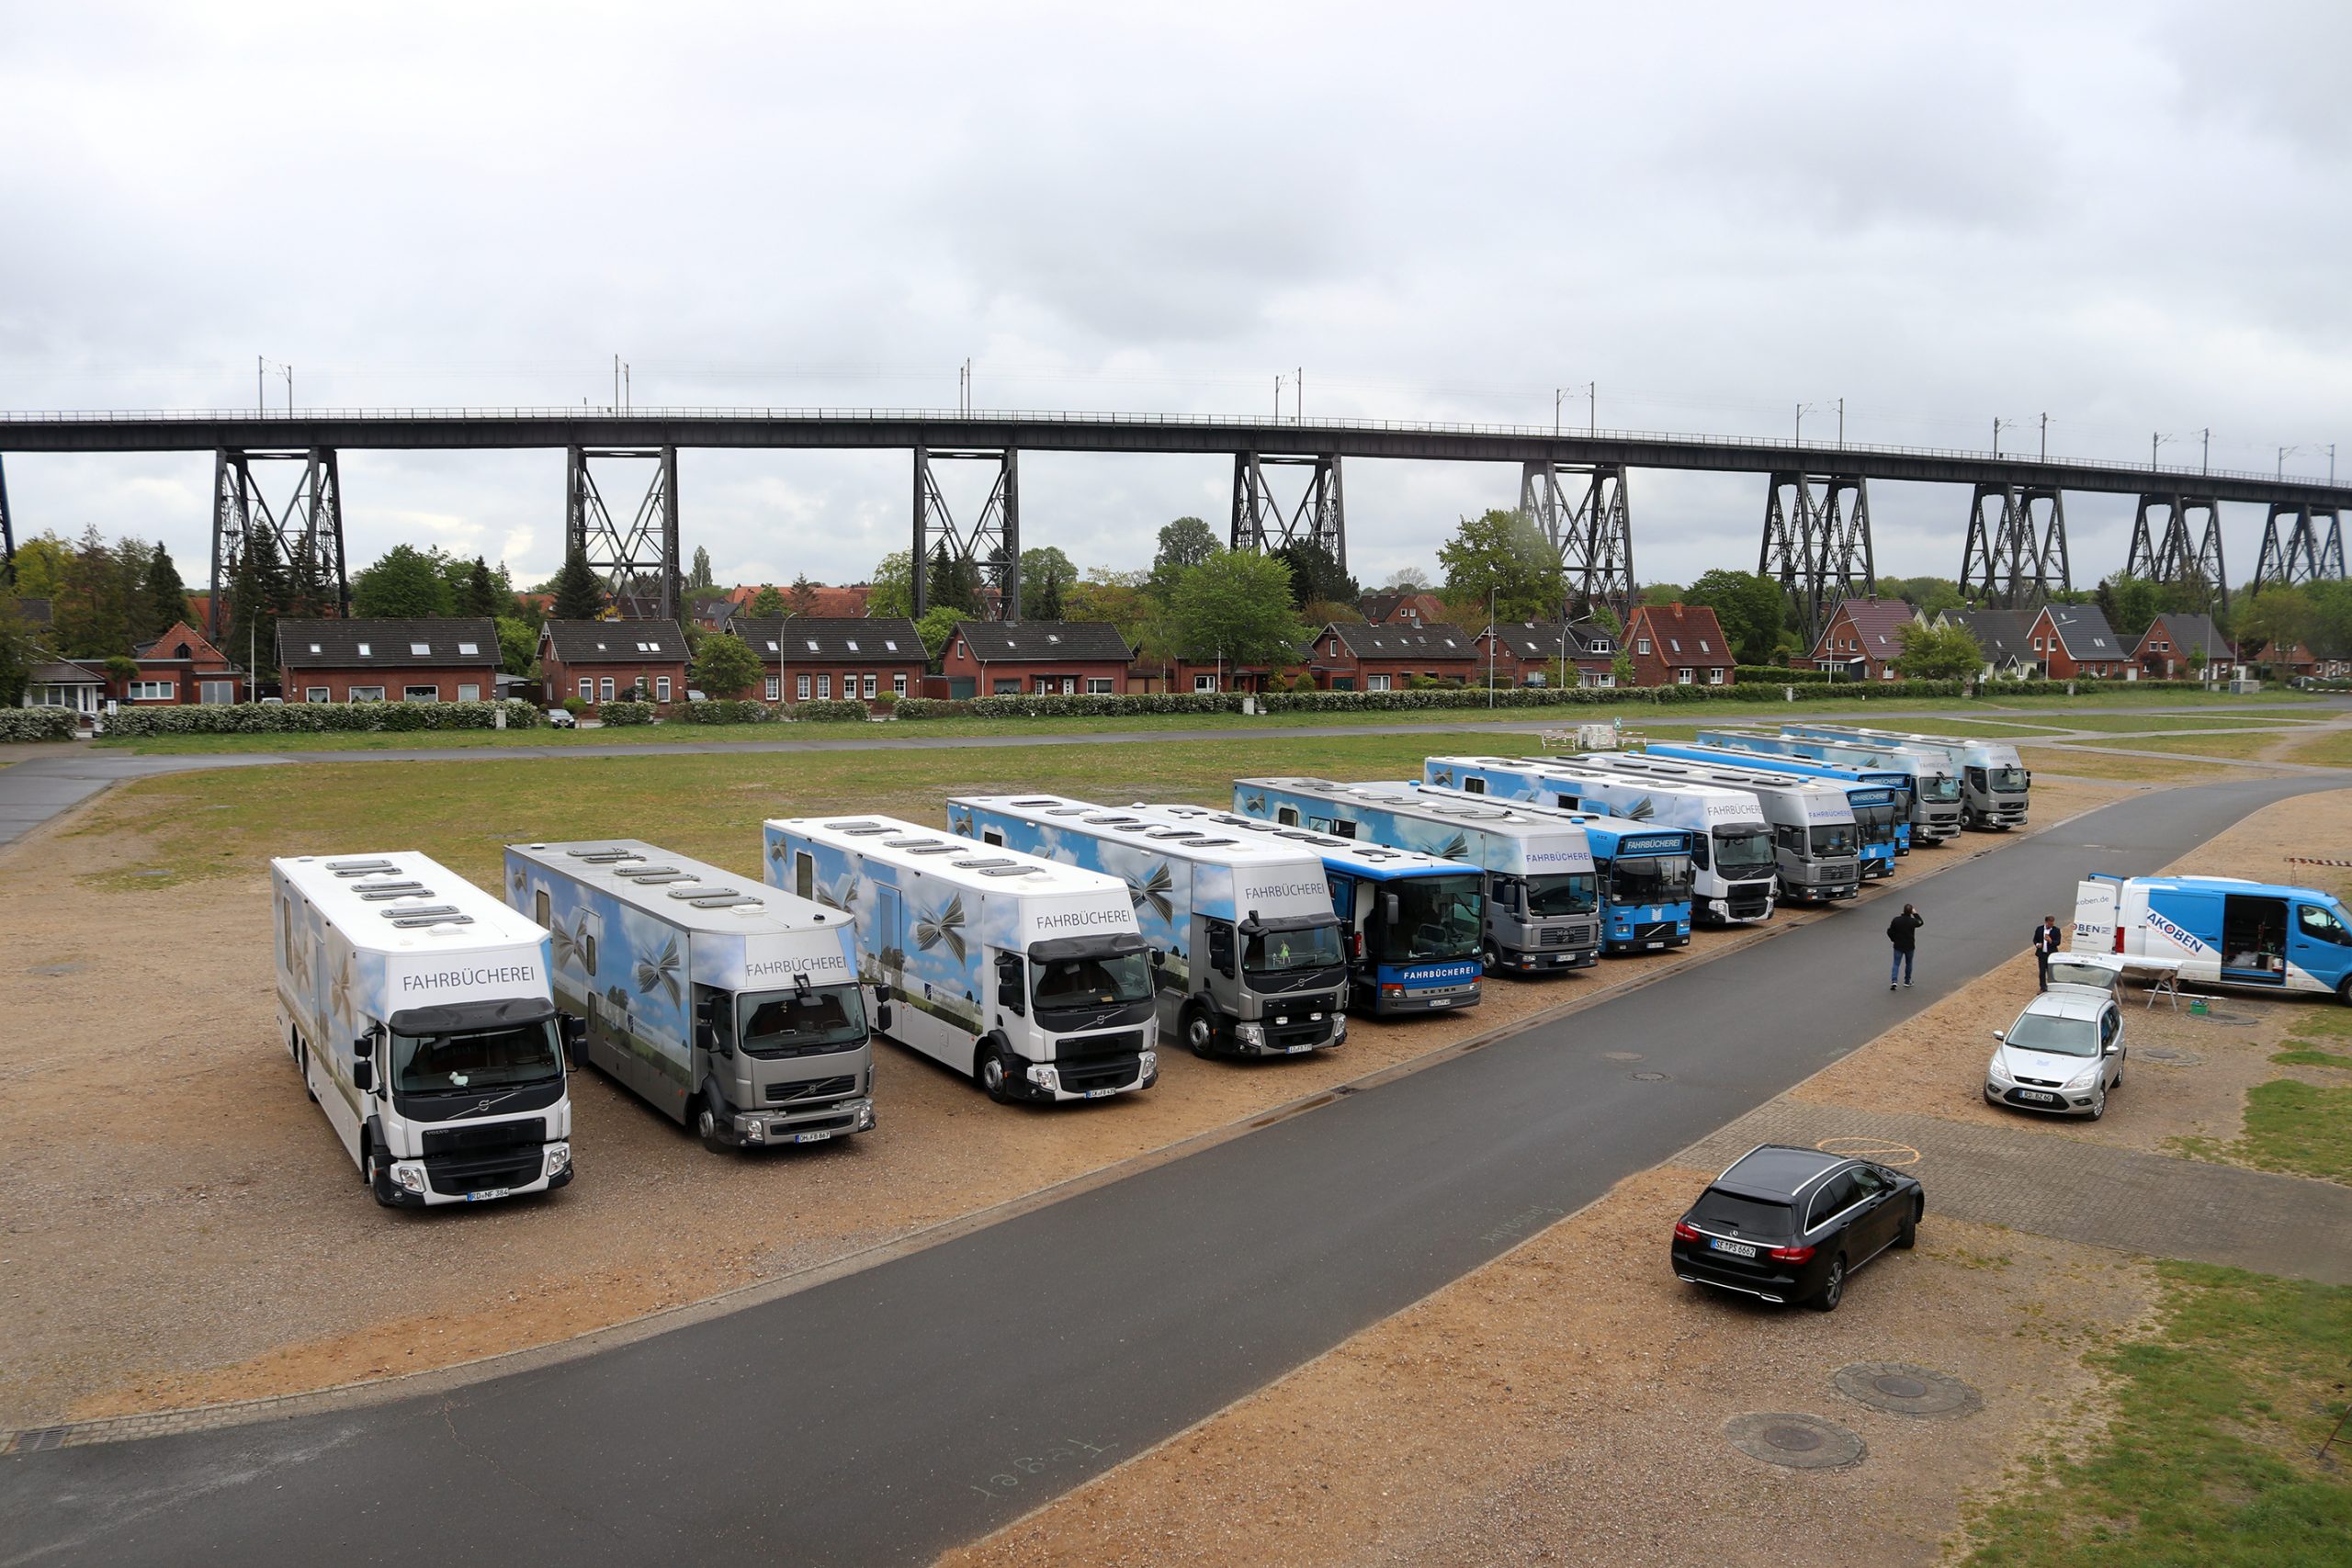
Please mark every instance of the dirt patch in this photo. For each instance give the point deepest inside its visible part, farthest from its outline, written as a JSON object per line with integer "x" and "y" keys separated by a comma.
{"x": 1568, "y": 1404}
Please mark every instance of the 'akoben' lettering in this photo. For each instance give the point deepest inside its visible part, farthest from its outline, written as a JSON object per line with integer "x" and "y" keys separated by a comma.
{"x": 1061, "y": 919}
{"x": 506, "y": 975}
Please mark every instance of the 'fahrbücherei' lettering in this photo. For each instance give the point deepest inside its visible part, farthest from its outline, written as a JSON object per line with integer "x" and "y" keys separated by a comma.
{"x": 454, "y": 979}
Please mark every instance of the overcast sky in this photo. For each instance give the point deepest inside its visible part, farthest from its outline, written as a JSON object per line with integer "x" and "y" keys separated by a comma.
{"x": 2131, "y": 218}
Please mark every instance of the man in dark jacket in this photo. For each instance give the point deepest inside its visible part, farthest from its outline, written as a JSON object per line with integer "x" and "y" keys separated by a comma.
{"x": 2047, "y": 939}
{"x": 1904, "y": 933}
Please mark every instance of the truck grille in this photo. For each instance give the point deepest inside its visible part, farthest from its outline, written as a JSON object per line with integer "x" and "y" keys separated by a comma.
{"x": 1553, "y": 936}
{"x": 1284, "y": 1037}
{"x": 1750, "y": 900}
{"x": 1655, "y": 930}
{"x": 812, "y": 1089}
{"x": 1106, "y": 1072}
{"x": 480, "y": 1159}
{"x": 1085, "y": 1048}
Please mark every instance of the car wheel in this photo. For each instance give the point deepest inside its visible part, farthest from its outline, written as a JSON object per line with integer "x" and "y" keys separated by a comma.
{"x": 993, "y": 1073}
{"x": 1909, "y": 1237}
{"x": 1833, "y": 1288}
{"x": 706, "y": 1129}
{"x": 2099, "y": 1107}
{"x": 1200, "y": 1035}
{"x": 2344, "y": 992}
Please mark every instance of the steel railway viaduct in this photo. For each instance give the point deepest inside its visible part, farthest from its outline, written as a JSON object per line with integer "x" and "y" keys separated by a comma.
{"x": 1815, "y": 533}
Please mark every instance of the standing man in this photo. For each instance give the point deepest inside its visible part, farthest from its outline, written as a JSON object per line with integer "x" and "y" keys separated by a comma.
{"x": 1904, "y": 933}
{"x": 2046, "y": 938}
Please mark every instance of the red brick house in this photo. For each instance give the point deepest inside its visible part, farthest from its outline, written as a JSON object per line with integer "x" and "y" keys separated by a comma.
{"x": 605, "y": 662}
{"x": 733, "y": 607}
{"x": 2167, "y": 651}
{"x": 447, "y": 661}
{"x": 183, "y": 666}
{"x": 1550, "y": 653}
{"x": 1678, "y": 645}
{"x": 988, "y": 658}
{"x": 2074, "y": 642}
{"x": 2292, "y": 662}
{"x": 1863, "y": 639}
{"x": 826, "y": 658}
{"x": 1345, "y": 657}
{"x": 1414, "y": 609}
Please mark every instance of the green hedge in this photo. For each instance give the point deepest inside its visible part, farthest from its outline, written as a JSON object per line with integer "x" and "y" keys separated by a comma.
{"x": 624, "y": 713}
{"x": 36, "y": 724}
{"x": 1769, "y": 675}
{"x": 303, "y": 718}
{"x": 723, "y": 710}
{"x": 1076, "y": 705}
{"x": 837, "y": 710}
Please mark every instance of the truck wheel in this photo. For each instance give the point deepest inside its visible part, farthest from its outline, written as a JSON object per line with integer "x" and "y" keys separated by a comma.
{"x": 302, "y": 1066}
{"x": 1490, "y": 959}
{"x": 1200, "y": 1035}
{"x": 994, "y": 1074}
{"x": 706, "y": 1127}
{"x": 379, "y": 1179}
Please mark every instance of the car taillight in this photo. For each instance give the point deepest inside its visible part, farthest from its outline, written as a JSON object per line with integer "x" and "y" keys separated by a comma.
{"x": 1685, "y": 1231}
{"x": 2119, "y": 936}
{"x": 1793, "y": 1255}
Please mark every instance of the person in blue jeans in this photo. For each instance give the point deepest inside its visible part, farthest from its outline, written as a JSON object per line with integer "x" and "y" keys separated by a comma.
{"x": 1904, "y": 933}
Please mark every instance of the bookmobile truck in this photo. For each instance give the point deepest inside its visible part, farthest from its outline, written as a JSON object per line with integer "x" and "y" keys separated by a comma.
{"x": 1814, "y": 835}
{"x": 1731, "y": 862}
{"x": 1411, "y": 921}
{"x": 1993, "y": 784}
{"x": 1543, "y": 902}
{"x": 2220, "y": 931}
{"x": 732, "y": 1008}
{"x": 1247, "y": 949}
{"x": 1931, "y": 784}
{"x": 1880, "y": 818}
{"x": 1029, "y": 976}
{"x": 417, "y": 1010}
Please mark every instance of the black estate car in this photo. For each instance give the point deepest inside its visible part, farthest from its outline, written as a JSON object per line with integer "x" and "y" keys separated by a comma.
{"x": 1790, "y": 1224}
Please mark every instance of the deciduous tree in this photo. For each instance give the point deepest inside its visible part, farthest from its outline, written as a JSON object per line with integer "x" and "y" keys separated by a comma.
{"x": 1046, "y": 578}
{"x": 403, "y": 583}
{"x": 1502, "y": 559}
{"x": 1750, "y": 605}
{"x": 1937, "y": 653}
{"x": 1237, "y": 604}
{"x": 891, "y": 589}
{"x": 767, "y": 603}
{"x": 725, "y": 666}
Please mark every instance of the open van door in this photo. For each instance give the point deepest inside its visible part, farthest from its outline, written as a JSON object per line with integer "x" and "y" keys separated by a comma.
{"x": 2096, "y": 915}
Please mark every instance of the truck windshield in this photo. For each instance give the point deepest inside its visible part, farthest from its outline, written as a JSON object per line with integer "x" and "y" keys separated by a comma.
{"x": 1650, "y": 879}
{"x": 1293, "y": 951}
{"x": 1437, "y": 917}
{"x": 1743, "y": 852}
{"x": 776, "y": 1023}
{"x": 1577, "y": 892}
{"x": 2007, "y": 781}
{"x": 1091, "y": 980}
{"x": 1876, "y": 822}
{"x": 1838, "y": 838}
{"x": 484, "y": 1058}
{"x": 1943, "y": 789}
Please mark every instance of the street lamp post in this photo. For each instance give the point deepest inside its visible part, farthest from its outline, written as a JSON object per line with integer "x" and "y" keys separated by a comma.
{"x": 1491, "y": 637}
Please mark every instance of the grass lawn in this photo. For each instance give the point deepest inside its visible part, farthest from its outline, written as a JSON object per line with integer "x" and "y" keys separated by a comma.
{"x": 709, "y": 805}
{"x": 2301, "y": 1055}
{"x": 2326, "y": 751}
{"x": 2302, "y": 1129}
{"x": 2180, "y": 723}
{"x": 2096, "y": 764}
{"x": 1654, "y": 719}
{"x": 2207, "y": 743}
{"x": 2209, "y": 1459}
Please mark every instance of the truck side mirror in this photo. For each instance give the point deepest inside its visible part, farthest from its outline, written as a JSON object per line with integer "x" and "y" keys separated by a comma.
{"x": 363, "y": 1047}
{"x": 882, "y": 1017}
{"x": 363, "y": 1076}
{"x": 1008, "y": 984}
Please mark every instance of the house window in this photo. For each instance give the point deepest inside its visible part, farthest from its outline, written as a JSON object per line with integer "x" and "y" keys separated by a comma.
{"x": 1715, "y": 675}
{"x": 1375, "y": 682}
{"x": 364, "y": 650}
{"x": 660, "y": 688}
{"x": 899, "y": 683}
{"x": 1002, "y": 687}
{"x": 317, "y": 695}
{"x": 775, "y": 688}
{"x": 470, "y": 692}
{"x": 1640, "y": 645}
{"x": 587, "y": 689}
{"x": 961, "y": 651}
{"x": 824, "y": 688}
{"x": 153, "y": 691}
{"x": 1204, "y": 683}
{"x": 421, "y": 694}
{"x": 421, "y": 649}
{"x": 604, "y": 688}
{"x": 1098, "y": 685}
{"x": 800, "y": 688}
{"x": 1335, "y": 647}
{"x": 872, "y": 685}
{"x": 1682, "y": 677}
{"x": 216, "y": 693}
{"x": 367, "y": 693}
{"x": 470, "y": 649}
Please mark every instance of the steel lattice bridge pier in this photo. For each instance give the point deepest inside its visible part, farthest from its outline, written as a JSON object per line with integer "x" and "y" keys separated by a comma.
{"x": 1573, "y": 485}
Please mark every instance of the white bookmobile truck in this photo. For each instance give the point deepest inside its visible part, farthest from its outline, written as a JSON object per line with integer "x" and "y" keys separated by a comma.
{"x": 1995, "y": 787}
{"x": 1028, "y": 975}
{"x": 732, "y": 1008}
{"x": 1248, "y": 956}
{"x": 1813, "y": 832}
{"x": 2220, "y": 931}
{"x": 417, "y": 1010}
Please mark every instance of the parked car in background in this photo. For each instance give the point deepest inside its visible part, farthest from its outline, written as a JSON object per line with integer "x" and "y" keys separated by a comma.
{"x": 1784, "y": 1224}
{"x": 559, "y": 718}
{"x": 2064, "y": 1054}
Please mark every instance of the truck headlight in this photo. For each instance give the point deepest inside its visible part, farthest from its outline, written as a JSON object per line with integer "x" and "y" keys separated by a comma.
{"x": 1339, "y": 1029}
{"x": 1149, "y": 1060}
{"x": 558, "y": 1158}
{"x": 411, "y": 1177}
{"x": 1041, "y": 1074}
{"x": 754, "y": 1131}
{"x": 1249, "y": 1033}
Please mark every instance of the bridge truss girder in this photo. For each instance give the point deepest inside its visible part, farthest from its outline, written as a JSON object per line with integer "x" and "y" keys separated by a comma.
{"x": 991, "y": 542}
{"x": 1583, "y": 513}
{"x": 1320, "y": 517}
{"x": 307, "y": 529}
{"x": 638, "y": 561}
{"x": 2305, "y": 552}
{"x": 2161, "y": 547}
{"x": 2018, "y": 557}
{"x": 7, "y": 535}
{"x": 1818, "y": 544}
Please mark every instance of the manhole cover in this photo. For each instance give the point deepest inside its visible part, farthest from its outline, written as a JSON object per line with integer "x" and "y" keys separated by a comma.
{"x": 1621, "y": 1055}
{"x": 1651, "y": 1078}
{"x": 1907, "y": 1390}
{"x": 1800, "y": 1442}
{"x": 2165, "y": 1057}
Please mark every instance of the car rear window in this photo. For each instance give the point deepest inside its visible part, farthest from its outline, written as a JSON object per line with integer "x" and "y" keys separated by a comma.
{"x": 2064, "y": 974}
{"x": 1749, "y": 1216}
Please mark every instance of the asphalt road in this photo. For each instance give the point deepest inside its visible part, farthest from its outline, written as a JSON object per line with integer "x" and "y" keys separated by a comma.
{"x": 883, "y": 1416}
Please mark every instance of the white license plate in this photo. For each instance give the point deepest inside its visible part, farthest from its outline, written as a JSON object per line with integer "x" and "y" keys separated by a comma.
{"x": 2037, "y": 1097}
{"x": 1296, "y": 1050}
{"x": 486, "y": 1196}
{"x": 1654, "y": 944}
{"x": 1099, "y": 1093}
{"x": 1736, "y": 1248}
{"x": 811, "y": 1137}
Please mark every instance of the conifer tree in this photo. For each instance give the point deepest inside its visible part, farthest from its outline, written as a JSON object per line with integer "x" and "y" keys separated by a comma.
{"x": 579, "y": 596}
